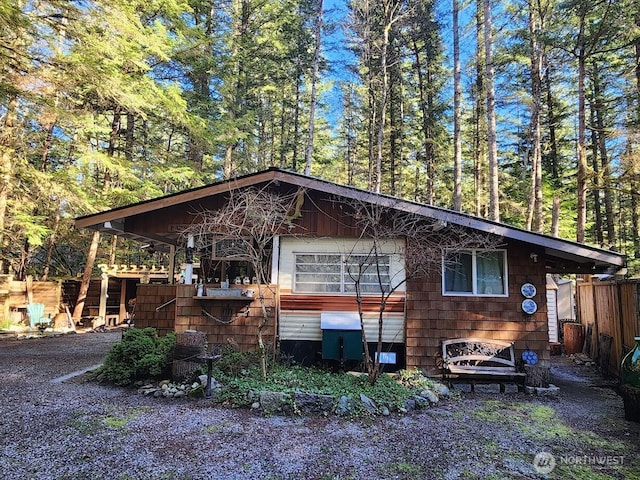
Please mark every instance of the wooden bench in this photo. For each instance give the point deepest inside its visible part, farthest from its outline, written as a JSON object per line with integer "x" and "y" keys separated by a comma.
{"x": 480, "y": 360}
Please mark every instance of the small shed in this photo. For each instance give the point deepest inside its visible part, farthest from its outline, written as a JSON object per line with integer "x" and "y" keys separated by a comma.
{"x": 561, "y": 305}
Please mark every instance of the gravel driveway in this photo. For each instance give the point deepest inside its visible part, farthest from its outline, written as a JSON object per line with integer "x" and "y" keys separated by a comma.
{"x": 57, "y": 426}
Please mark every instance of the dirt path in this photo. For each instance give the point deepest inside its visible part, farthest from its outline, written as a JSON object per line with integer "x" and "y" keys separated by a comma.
{"x": 68, "y": 429}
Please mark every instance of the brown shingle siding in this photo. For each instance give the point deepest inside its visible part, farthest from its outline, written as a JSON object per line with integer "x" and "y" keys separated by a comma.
{"x": 499, "y": 318}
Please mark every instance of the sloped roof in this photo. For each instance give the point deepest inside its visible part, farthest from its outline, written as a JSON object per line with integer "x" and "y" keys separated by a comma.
{"x": 581, "y": 257}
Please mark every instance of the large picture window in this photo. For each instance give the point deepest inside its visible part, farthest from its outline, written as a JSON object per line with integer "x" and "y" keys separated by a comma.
{"x": 338, "y": 273}
{"x": 476, "y": 272}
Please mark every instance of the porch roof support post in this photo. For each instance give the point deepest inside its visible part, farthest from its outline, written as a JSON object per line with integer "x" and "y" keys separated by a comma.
{"x": 104, "y": 292}
{"x": 275, "y": 261}
{"x": 188, "y": 271}
{"x": 122, "y": 310}
{"x": 172, "y": 264}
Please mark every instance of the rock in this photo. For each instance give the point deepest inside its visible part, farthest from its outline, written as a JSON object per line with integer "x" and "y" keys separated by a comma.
{"x": 409, "y": 405}
{"x": 255, "y": 406}
{"x": 313, "y": 404}
{"x": 197, "y": 392}
{"x": 163, "y": 383}
{"x": 179, "y": 394}
{"x": 430, "y": 395}
{"x": 157, "y": 393}
{"x": 368, "y": 404}
{"x": 551, "y": 391}
{"x": 510, "y": 388}
{"x": 203, "y": 380}
{"x": 487, "y": 388}
{"x": 402, "y": 410}
{"x": 385, "y": 411}
{"x": 421, "y": 402}
{"x": 272, "y": 402}
{"x": 344, "y": 406}
{"x": 441, "y": 389}
{"x": 195, "y": 385}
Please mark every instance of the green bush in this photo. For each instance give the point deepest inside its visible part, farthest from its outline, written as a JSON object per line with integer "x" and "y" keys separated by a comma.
{"x": 141, "y": 354}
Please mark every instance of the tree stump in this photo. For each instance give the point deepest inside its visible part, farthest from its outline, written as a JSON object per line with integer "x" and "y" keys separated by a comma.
{"x": 631, "y": 397}
{"x": 537, "y": 376}
{"x": 604, "y": 353}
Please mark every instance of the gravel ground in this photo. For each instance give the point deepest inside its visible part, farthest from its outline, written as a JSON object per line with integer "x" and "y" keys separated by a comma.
{"x": 58, "y": 426}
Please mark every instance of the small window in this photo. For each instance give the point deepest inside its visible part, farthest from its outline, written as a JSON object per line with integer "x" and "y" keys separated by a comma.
{"x": 337, "y": 273}
{"x": 476, "y": 272}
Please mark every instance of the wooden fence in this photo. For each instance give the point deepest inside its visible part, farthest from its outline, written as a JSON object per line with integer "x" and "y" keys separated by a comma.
{"x": 610, "y": 313}
{"x": 16, "y": 295}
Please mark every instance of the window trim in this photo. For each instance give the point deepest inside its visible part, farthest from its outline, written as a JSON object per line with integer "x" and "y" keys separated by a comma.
{"x": 344, "y": 276}
{"x": 474, "y": 274}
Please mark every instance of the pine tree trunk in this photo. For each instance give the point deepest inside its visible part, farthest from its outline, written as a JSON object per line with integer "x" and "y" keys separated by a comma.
{"x": 130, "y": 136}
{"x": 555, "y": 217}
{"x": 51, "y": 245}
{"x": 48, "y": 141}
{"x": 480, "y": 130}
{"x": 551, "y": 126}
{"x": 581, "y": 183}
{"x": 494, "y": 194}
{"x": 457, "y": 99}
{"x": 601, "y": 148}
{"x": 534, "y": 216}
{"x": 86, "y": 276}
{"x": 596, "y": 190}
{"x": 7, "y": 141}
{"x": 383, "y": 103}
{"x": 428, "y": 192}
{"x": 317, "y": 31}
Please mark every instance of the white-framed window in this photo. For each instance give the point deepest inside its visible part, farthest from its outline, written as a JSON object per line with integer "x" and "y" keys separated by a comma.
{"x": 475, "y": 272}
{"x": 338, "y": 273}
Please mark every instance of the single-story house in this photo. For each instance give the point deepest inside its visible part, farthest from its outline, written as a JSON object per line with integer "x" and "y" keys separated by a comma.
{"x": 495, "y": 293}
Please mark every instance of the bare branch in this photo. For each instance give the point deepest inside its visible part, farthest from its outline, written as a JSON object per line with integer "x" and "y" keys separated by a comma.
{"x": 249, "y": 222}
{"x": 426, "y": 243}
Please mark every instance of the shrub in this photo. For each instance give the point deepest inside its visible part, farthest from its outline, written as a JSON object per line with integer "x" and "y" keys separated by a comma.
{"x": 141, "y": 354}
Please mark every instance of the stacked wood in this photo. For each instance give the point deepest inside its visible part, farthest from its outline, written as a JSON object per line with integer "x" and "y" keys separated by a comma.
{"x": 537, "y": 376}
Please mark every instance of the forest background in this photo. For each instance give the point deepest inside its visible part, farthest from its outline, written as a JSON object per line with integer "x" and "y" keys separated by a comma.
{"x": 521, "y": 111}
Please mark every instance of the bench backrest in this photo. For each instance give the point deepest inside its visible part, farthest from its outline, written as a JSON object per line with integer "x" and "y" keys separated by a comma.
{"x": 478, "y": 351}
